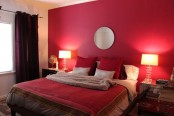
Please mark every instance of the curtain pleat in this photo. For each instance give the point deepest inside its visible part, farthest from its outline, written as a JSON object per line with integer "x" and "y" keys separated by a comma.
{"x": 26, "y": 47}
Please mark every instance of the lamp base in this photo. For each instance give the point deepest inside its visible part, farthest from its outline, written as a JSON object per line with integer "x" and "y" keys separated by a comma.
{"x": 65, "y": 65}
{"x": 148, "y": 80}
{"x": 148, "y": 74}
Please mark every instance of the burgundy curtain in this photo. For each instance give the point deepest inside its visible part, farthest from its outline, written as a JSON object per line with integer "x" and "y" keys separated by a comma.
{"x": 26, "y": 47}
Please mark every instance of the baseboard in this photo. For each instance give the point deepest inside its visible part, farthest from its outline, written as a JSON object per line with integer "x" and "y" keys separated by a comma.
{"x": 3, "y": 97}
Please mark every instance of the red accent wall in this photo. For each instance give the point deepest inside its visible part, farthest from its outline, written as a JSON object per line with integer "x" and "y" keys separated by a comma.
{"x": 140, "y": 26}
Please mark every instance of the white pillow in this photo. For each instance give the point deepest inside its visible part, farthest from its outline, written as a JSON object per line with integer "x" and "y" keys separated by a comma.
{"x": 132, "y": 72}
{"x": 81, "y": 71}
{"x": 104, "y": 74}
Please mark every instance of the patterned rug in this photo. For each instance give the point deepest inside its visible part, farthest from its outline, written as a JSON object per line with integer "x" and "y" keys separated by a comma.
{"x": 4, "y": 109}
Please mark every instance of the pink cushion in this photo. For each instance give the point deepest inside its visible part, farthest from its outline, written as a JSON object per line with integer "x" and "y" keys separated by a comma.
{"x": 113, "y": 64}
{"x": 88, "y": 63}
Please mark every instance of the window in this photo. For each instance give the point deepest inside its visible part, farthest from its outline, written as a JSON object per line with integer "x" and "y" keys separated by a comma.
{"x": 6, "y": 47}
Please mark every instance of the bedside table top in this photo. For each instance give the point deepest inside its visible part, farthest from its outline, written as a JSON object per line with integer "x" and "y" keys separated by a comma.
{"x": 152, "y": 82}
{"x": 51, "y": 69}
{"x": 55, "y": 69}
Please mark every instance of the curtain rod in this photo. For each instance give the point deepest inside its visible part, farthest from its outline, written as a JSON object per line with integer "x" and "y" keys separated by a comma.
{"x": 10, "y": 11}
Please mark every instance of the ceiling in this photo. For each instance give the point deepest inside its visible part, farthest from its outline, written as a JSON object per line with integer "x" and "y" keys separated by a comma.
{"x": 61, "y": 3}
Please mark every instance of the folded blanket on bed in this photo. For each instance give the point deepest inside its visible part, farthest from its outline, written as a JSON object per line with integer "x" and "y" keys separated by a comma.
{"x": 82, "y": 81}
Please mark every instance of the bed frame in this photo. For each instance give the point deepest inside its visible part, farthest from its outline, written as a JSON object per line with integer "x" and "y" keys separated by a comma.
{"x": 25, "y": 112}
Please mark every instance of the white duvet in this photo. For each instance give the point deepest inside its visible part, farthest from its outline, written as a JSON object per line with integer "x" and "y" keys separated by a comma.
{"x": 130, "y": 85}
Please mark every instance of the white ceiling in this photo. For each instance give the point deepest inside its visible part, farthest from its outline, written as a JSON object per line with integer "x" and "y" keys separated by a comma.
{"x": 61, "y": 3}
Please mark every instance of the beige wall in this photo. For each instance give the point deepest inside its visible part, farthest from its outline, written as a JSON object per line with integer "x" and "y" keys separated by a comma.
{"x": 7, "y": 80}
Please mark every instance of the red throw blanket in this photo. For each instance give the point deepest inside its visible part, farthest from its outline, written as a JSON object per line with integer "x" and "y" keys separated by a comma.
{"x": 87, "y": 100}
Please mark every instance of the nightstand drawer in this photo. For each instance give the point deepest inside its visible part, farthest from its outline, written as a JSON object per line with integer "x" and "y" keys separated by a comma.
{"x": 48, "y": 71}
{"x": 150, "y": 86}
{"x": 156, "y": 107}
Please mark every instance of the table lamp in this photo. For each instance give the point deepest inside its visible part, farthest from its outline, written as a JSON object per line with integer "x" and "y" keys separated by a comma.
{"x": 64, "y": 54}
{"x": 149, "y": 60}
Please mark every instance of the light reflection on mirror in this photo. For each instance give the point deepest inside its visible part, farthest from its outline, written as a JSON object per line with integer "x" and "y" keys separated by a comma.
{"x": 104, "y": 38}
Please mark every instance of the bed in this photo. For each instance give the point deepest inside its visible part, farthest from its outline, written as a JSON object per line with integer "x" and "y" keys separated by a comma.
{"x": 73, "y": 94}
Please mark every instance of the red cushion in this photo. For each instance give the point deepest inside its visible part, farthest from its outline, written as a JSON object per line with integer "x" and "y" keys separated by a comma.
{"x": 87, "y": 62}
{"x": 113, "y": 64}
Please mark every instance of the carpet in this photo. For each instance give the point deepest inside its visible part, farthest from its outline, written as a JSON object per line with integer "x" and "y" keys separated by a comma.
{"x": 4, "y": 109}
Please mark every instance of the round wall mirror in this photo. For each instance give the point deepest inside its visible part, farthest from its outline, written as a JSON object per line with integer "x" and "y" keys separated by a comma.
{"x": 104, "y": 38}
